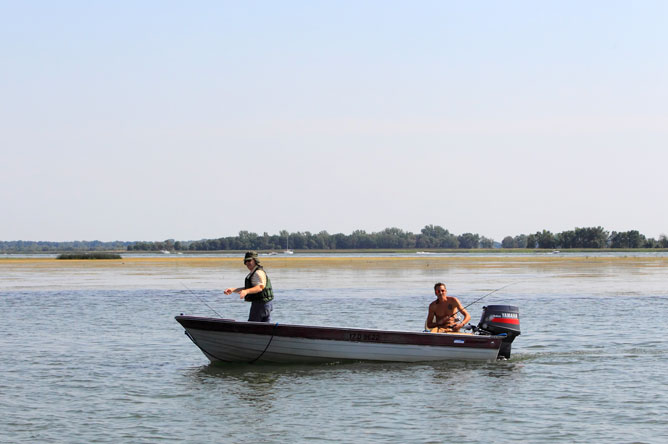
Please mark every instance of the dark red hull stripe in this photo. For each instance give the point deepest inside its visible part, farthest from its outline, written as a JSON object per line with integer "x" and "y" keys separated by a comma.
{"x": 506, "y": 321}
{"x": 339, "y": 334}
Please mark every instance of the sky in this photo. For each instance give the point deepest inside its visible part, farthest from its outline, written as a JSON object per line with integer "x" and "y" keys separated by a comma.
{"x": 154, "y": 120}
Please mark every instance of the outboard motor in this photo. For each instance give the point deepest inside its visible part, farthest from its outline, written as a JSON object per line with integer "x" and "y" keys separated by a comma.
{"x": 501, "y": 319}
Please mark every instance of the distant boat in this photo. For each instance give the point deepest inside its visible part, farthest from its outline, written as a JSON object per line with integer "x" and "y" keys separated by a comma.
{"x": 424, "y": 252}
{"x": 287, "y": 247}
{"x": 165, "y": 252}
{"x": 556, "y": 251}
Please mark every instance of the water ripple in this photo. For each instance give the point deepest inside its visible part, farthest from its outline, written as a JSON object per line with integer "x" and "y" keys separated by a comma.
{"x": 109, "y": 364}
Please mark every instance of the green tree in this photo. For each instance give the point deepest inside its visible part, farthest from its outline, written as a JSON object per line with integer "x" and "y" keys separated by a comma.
{"x": 566, "y": 239}
{"x": 341, "y": 241}
{"x": 627, "y": 239}
{"x": 322, "y": 240}
{"x": 520, "y": 241}
{"x": 546, "y": 239}
{"x": 651, "y": 243}
{"x": 468, "y": 240}
{"x": 434, "y": 236}
{"x": 592, "y": 237}
{"x": 486, "y": 242}
{"x": 448, "y": 240}
{"x": 435, "y": 231}
{"x": 361, "y": 239}
{"x": 663, "y": 241}
{"x": 390, "y": 238}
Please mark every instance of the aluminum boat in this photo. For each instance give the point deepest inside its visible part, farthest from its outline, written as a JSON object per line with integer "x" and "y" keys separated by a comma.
{"x": 226, "y": 340}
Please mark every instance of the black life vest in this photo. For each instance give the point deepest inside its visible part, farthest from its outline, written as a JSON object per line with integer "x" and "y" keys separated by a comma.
{"x": 265, "y": 295}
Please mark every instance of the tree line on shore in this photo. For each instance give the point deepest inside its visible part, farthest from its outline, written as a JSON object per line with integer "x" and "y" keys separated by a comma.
{"x": 21, "y": 246}
{"x": 430, "y": 237}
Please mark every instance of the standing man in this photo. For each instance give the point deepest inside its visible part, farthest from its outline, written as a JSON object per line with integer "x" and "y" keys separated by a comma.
{"x": 442, "y": 312}
{"x": 256, "y": 290}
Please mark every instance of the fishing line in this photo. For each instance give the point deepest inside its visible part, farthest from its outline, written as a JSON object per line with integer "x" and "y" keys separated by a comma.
{"x": 273, "y": 332}
{"x": 202, "y": 300}
{"x": 493, "y": 291}
{"x": 481, "y": 298}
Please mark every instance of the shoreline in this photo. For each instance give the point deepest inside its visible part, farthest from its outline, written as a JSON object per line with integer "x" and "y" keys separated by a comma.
{"x": 458, "y": 251}
{"x": 333, "y": 261}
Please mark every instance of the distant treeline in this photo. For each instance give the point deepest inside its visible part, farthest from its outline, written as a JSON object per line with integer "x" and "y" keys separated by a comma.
{"x": 430, "y": 237}
{"x": 592, "y": 237}
{"x": 392, "y": 238}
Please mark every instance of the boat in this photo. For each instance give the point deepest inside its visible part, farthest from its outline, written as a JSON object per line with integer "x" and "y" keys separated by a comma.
{"x": 227, "y": 340}
{"x": 287, "y": 247}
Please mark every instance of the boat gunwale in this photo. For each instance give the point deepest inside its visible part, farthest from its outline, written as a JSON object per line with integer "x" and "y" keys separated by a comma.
{"x": 342, "y": 334}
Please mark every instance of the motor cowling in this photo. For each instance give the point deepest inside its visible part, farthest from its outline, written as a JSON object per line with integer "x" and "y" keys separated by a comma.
{"x": 501, "y": 319}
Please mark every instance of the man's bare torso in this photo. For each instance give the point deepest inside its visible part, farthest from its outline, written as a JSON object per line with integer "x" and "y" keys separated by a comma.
{"x": 444, "y": 311}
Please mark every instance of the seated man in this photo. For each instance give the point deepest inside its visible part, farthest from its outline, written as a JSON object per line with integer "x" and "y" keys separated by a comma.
{"x": 442, "y": 312}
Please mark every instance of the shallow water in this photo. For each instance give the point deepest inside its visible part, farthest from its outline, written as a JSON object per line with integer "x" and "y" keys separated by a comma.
{"x": 93, "y": 354}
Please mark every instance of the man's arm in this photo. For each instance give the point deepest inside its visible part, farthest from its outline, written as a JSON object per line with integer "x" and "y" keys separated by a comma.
{"x": 259, "y": 280}
{"x": 467, "y": 316}
{"x": 257, "y": 289}
{"x": 430, "y": 317}
{"x": 244, "y": 291}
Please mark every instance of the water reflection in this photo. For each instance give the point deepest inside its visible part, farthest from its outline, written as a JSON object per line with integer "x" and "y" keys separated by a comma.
{"x": 263, "y": 376}
{"x": 237, "y": 384}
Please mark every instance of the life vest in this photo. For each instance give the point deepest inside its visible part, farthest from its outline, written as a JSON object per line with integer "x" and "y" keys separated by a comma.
{"x": 265, "y": 295}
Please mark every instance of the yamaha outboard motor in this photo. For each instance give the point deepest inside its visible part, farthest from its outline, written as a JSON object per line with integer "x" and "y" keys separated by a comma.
{"x": 501, "y": 319}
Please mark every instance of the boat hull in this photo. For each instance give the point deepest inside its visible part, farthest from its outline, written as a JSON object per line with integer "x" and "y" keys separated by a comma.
{"x": 224, "y": 340}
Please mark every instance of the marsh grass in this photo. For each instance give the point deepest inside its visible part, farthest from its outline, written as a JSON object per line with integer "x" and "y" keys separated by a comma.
{"x": 325, "y": 263}
{"x": 89, "y": 256}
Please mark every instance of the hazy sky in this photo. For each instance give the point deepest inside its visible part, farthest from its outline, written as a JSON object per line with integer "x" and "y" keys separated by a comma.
{"x": 149, "y": 120}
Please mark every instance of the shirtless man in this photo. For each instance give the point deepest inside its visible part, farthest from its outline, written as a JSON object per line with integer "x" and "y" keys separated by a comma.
{"x": 444, "y": 310}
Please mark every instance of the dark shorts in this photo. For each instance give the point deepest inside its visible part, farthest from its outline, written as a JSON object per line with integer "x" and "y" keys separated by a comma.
{"x": 260, "y": 311}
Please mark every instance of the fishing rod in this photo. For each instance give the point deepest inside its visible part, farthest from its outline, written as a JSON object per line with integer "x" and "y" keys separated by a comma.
{"x": 480, "y": 299}
{"x": 202, "y": 300}
{"x": 493, "y": 291}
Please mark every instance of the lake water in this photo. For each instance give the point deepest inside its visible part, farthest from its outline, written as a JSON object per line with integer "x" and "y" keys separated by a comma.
{"x": 91, "y": 353}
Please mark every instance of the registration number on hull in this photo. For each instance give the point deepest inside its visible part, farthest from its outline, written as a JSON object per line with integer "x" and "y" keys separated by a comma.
{"x": 364, "y": 337}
